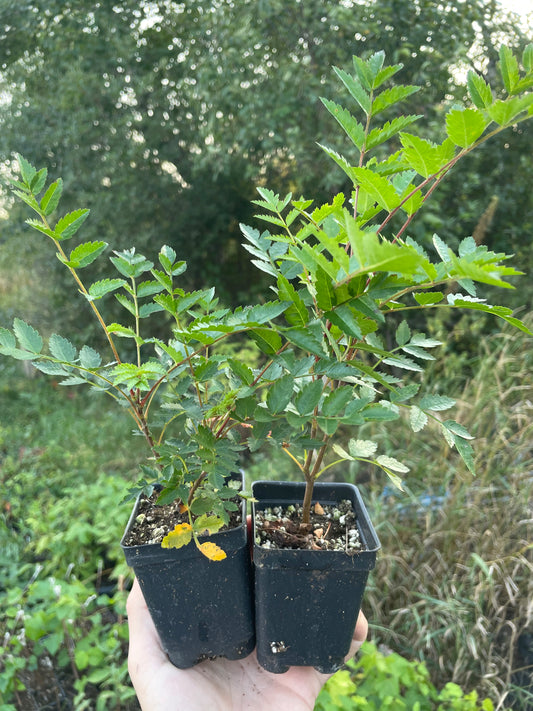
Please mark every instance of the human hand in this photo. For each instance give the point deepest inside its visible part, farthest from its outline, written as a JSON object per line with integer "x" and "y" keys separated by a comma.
{"x": 218, "y": 684}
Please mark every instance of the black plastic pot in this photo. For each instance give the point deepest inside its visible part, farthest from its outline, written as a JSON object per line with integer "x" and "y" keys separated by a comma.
{"x": 202, "y": 609}
{"x": 307, "y": 602}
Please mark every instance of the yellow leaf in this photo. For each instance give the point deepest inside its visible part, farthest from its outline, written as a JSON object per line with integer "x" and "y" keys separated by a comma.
{"x": 212, "y": 551}
{"x": 180, "y": 536}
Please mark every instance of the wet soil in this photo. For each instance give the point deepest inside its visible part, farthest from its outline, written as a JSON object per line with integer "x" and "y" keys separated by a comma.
{"x": 154, "y": 522}
{"x": 331, "y": 528}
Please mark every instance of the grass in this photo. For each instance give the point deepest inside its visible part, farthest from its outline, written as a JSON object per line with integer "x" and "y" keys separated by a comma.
{"x": 454, "y": 583}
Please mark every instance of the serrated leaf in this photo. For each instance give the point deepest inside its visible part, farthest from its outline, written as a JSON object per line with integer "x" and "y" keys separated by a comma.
{"x": 423, "y": 156}
{"x": 375, "y": 255}
{"x": 355, "y": 89}
{"x": 179, "y": 537}
{"x": 105, "y": 286}
{"x": 505, "y": 112}
{"x": 508, "y": 66}
{"x": 50, "y": 368}
{"x": 362, "y": 447}
{"x": 89, "y": 358}
{"x": 51, "y": 197}
{"x": 391, "y": 96}
{"x": 325, "y": 293}
{"x": 28, "y": 199}
{"x": 378, "y": 187}
{"x": 205, "y": 524}
{"x": 403, "y": 333}
{"x": 280, "y": 394}
{"x": 342, "y": 453}
{"x": 308, "y": 339}
{"x": 119, "y": 330}
{"x": 465, "y": 126}
{"x": 336, "y": 401}
{"x": 353, "y": 129}
{"x": 212, "y": 551}
{"x": 346, "y": 319}
{"x": 62, "y": 349}
{"x": 428, "y": 298}
{"x": 340, "y": 161}
{"x": 389, "y": 129}
{"x": 38, "y": 181}
{"x": 308, "y": 397}
{"x": 149, "y": 288}
{"x": 457, "y": 429}
{"x": 417, "y": 419}
{"x": 68, "y": 225}
{"x": 417, "y": 352}
{"x": 390, "y": 463}
{"x": 267, "y": 339}
{"x": 466, "y": 453}
{"x": 405, "y": 393}
{"x": 84, "y": 254}
{"x": 7, "y": 339}
{"x": 480, "y": 92}
{"x": 28, "y": 338}
{"x": 128, "y": 304}
{"x": 399, "y": 361}
{"x": 241, "y": 370}
{"x": 37, "y": 225}
{"x": 436, "y": 403}
{"x": 27, "y": 170}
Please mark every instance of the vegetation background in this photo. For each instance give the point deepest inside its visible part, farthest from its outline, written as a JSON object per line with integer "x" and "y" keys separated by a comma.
{"x": 171, "y": 113}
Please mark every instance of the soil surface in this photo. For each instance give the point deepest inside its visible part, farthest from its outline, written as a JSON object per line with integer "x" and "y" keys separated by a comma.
{"x": 153, "y": 521}
{"x": 332, "y": 528}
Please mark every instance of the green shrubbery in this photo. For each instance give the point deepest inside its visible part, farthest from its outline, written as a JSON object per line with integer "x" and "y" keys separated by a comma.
{"x": 377, "y": 681}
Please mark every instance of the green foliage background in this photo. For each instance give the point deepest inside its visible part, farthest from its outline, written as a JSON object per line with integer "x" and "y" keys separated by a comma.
{"x": 168, "y": 114}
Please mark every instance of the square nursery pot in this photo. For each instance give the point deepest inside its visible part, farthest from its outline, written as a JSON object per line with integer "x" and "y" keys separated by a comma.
{"x": 306, "y": 601}
{"x": 201, "y": 609}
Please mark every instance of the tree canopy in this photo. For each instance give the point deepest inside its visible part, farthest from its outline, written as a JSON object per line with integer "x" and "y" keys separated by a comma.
{"x": 172, "y": 112}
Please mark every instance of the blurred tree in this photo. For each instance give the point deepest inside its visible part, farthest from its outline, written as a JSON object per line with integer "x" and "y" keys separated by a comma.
{"x": 172, "y": 111}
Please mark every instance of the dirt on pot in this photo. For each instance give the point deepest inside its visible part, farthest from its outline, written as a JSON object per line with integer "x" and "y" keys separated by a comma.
{"x": 331, "y": 528}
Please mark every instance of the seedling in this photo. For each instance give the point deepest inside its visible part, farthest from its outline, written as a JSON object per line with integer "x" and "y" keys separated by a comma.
{"x": 342, "y": 277}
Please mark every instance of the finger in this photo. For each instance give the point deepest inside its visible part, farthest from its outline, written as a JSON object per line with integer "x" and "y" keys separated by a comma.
{"x": 359, "y": 636}
{"x": 144, "y": 639}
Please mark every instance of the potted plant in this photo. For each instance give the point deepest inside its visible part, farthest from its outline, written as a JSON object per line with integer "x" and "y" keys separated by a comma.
{"x": 343, "y": 272}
